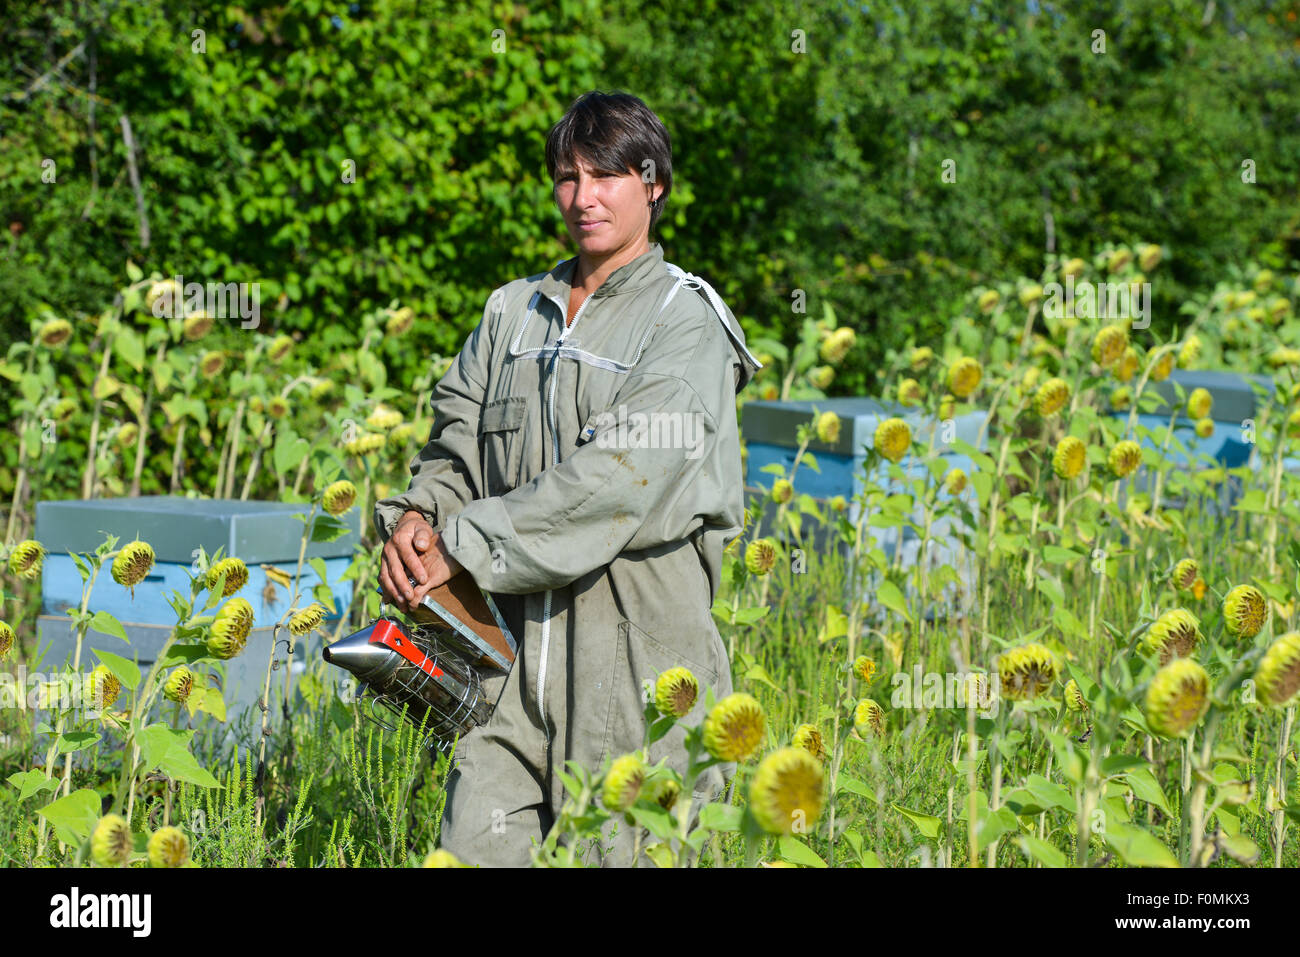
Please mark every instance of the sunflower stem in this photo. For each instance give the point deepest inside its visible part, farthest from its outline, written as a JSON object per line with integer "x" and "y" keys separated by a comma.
{"x": 1279, "y": 816}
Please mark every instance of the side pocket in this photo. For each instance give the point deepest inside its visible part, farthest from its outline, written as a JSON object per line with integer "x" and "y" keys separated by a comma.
{"x": 499, "y": 430}
{"x": 639, "y": 659}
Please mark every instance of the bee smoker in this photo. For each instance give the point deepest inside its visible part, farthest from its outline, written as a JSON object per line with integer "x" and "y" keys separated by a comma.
{"x": 410, "y": 672}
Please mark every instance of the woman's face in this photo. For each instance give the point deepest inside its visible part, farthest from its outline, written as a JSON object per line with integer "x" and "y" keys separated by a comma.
{"x": 615, "y": 204}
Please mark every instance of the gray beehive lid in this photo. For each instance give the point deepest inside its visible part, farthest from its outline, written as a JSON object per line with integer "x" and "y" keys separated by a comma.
{"x": 777, "y": 423}
{"x": 1234, "y": 400}
{"x": 175, "y": 526}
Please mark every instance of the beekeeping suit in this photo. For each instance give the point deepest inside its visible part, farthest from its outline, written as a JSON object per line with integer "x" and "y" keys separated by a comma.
{"x": 589, "y": 478}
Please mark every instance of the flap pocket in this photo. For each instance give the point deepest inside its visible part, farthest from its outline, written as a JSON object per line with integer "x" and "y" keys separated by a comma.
{"x": 503, "y": 415}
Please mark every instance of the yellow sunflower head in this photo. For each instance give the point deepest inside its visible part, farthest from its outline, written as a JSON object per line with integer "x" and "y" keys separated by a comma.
{"x": 133, "y": 563}
{"x": 277, "y": 407}
{"x": 236, "y": 573}
{"x": 955, "y": 481}
{"x": 807, "y": 736}
{"x": 1199, "y": 403}
{"x": 307, "y": 620}
{"x": 1127, "y": 366}
{"x": 1051, "y": 397}
{"x": 893, "y": 438}
{"x": 839, "y": 504}
{"x": 868, "y": 718}
{"x": 1244, "y": 611}
{"x": 947, "y": 406}
{"x": 26, "y": 559}
{"x": 1124, "y": 458}
{"x": 988, "y": 300}
{"x": 1030, "y": 294}
{"x": 1074, "y": 697}
{"x": 1072, "y": 267}
{"x": 1185, "y": 574}
{"x": 734, "y": 729}
{"x": 920, "y": 358}
{"x": 196, "y": 325}
{"x": 338, "y": 497}
{"x": 1189, "y": 352}
{"x": 1109, "y": 345}
{"x": 676, "y": 691}
{"x": 180, "y": 683}
{"x": 211, "y": 364}
{"x": 1027, "y": 671}
{"x": 964, "y": 377}
{"x": 760, "y": 556}
{"x": 864, "y": 668}
{"x": 400, "y": 322}
{"x": 661, "y": 789}
{"x": 1149, "y": 257}
{"x": 110, "y": 843}
{"x": 54, "y": 333}
{"x": 231, "y": 629}
{"x": 441, "y": 858}
{"x": 909, "y": 392}
{"x": 1204, "y": 428}
{"x": 837, "y": 345}
{"x": 820, "y": 377}
{"x": 782, "y": 491}
{"x": 786, "y": 794}
{"x": 1118, "y": 259}
{"x": 623, "y": 783}
{"x": 1070, "y": 457}
{"x": 1121, "y": 398}
{"x": 384, "y": 418}
{"x": 169, "y": 847}
{"x": 7, "y": 638}
{"x": 828, "y": 428}
{"x": 102, "y": 689}
{"x": 1175, "y": 634}
{"x": 1178, "y": 697}
{"x": 1278, "y": 674}
{"x": 1163, "y": 367}
{"x": 279, "y": 348}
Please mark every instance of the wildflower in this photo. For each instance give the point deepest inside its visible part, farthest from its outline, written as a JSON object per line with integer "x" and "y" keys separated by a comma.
{"x": 236, "y": 573}
{"x": 964, "y": 377}
{"x": 1199, "y": 403}
{"x": 211, "y": 364}
{"x": 1189, "y": 352}
{"x": 26, "y": 559}
{"x": 1198, "y": 588}
{"x": 893, "y": 438}
{"x": 955, "y": 481}
{"x": 1051, "y": 397}
{"x": 1118, "y": 260}
{"x": 1109, "y": 345}
{"x": 734, "y": 728}
{"x": 102, "y": 688}
{"x": 828, "y": 428}
{"x": 1069, "y": 458}
{"x": 7, "y": 638}
{"x": 132, "y": 564}
{"x": 400, "y": 321}
{"x": 1121, "y": 398}
{"x": 1278, "y": 674}
{"x": 110, "y": 843}
{"x": 662, "y": 790}
{"x": 1185, "y": 574}
{"x": 864, "y": 668}
{"x": 441, "y": 858}
{"x": 786, "y": 793}
{"x": 169, "y": 847}
{"x": 277, "y": 407}
{"x": 1124, "y": 458}
{"x": 920, "y": 357}
{"x": 868, "y": 717}
{"x": 807, "y": 736}
{"x": 1178, "y": 698}
{"x": 837, "y": 345}
{"x": 821, "y": 377}
{"x": 1163, "y": 367}
{"x": 309, "y": 619}
{"x": 782, "y": 491}
{"x": 196, "y": 326}
{"x": 364, "y": 444}
{"x": 179, "y": 685}
{"x": 676, "y": 691}
{"x": 1072, "y": 267}
{"x": 1204, "y": 428}
{"x": 623, "y": 783}
{"x": 1127, "y": 366}
{"x": 383, "y": 418}
{"x": 1030, "y": 294}
{"x": 1175, "y": 634}
{"x": 54, "y": 333}
{"x": 1148, "y": 257}
{"x": 988, "y": 300}
{"x": 279, "y": 348}
{"x": 1074, "y": 697}
{"x": 231, "y": 629}
{"x": 1244, "y": 611}
{"x": 338, "y": 497}
{"x": 909, "y": 392}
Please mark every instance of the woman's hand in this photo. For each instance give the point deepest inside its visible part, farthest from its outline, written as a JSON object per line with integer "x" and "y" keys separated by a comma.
{"x": 414, "y": 550}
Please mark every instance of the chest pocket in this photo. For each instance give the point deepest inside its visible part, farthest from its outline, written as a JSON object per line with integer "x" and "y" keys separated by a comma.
{"x": 501, "y": 438}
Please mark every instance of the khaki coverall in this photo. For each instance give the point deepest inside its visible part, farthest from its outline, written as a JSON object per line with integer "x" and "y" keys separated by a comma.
{"x": 600, "y": 541}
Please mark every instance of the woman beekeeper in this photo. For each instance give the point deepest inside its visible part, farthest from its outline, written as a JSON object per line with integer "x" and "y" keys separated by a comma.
{"x": 584, "y": 467}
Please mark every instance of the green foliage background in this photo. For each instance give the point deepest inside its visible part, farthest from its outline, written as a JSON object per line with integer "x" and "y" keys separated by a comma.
{"x": 816, "y": 170}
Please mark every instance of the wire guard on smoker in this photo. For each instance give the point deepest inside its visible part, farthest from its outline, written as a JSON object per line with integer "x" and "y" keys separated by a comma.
{"x": 414, "y": 669}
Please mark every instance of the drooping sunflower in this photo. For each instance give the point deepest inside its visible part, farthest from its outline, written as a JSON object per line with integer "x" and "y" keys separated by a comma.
{"x": 1074, "y": 697}
{"x": 909, "y": 392}
{"x": 1149, "y": 257}
{"x": 623, "y": 783}
{"x": 279, "y": 348}
{"x": 1109, "y": 345}
{"x": 211, "y": 364}
{"x": 110, "y": 842}
{"x": 1190, "y": 351}
{"x": 786, "y": 794}
{"x": 1070, "y": 457}
{"x": 307, "y": 620}
{"x": 893, "y": 438}
{"x": 400, "y": 321}
{"x": 196, "y": 325}
{"x": 26, "y": 559}
{"x": 964, "y": 377}
{"x": 1118, "y": 259}
{"x": 1185, "y": 574}
{"x": 920, "y": 357}
{"x": 661, "y": 789}
{"x": 364, "y": 443}
{"x": 236, "y": 573}
{"x": 955, "y": 481}
{"x": 102, "y": 689}
{"x": 7, "y": 638}
{"x": 828, "y": 428}
{"x": 676, "y": 691}
{"x": 819, "y": 377}
{"x": 133, "y": 563}
{"x": 782, "y": 491}
{"x": 837, "y": 345}
{"x": 760, "y": 556}
{"x": 734, "y": 729}
{"x": 1244, "y": 611}
{"x": 807, "y": 736}
{"x": 1278, "y": 674}
{"x": 1127, "y": 366}
{"x": 1027, "y": 671}
{"x": 1121, "y": 398}
{"x": 384, "y": 418}
{"x": 1199, "y": 403}
{"x": 169, "y": 847}
{"x": 1204, "y": 428}
{"x": 1175, "y": 634}
{"x": 1163, "y": 367}
{"x": 54, "y": 333}
{"x": 868, "y": 718}
{"x": 1051, "y": 397}
{"x": 179, "y": 686}
{"x": 1030, "y": 294}
{"x": 231, "y": 629}
{"x": 338, "y": 497}
{"x": 988, "y": 300}
{"x": 1072, "y": 267}
{"x": 1125, "y": 456}
{"x": 1178, "y": 697}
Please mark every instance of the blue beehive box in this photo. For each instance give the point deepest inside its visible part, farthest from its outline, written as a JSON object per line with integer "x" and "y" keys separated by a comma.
{"x": 770, "y": 429}
{"x": 259, "y": 533}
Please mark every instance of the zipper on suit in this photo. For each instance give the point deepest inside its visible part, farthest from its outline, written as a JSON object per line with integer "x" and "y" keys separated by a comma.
{"x": 555, "y": 460}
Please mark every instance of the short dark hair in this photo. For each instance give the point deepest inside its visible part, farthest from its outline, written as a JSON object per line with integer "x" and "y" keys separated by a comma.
{"x": 614, "y": 133}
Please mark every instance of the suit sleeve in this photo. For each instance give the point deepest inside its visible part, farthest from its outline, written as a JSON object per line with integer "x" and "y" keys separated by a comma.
{"x": 604, "y": 499}
{"x": 446, "y": 473}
